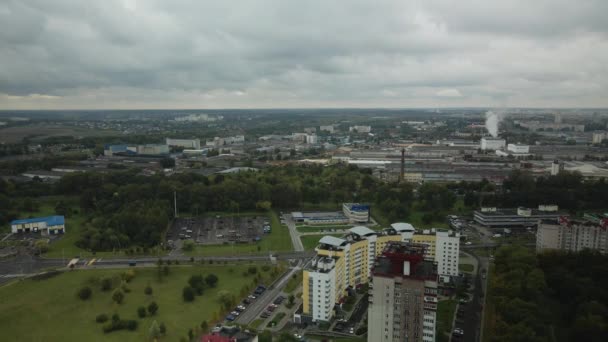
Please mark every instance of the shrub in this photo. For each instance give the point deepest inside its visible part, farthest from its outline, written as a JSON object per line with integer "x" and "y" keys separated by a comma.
{"x": 152, "y": 308}
{"x": 211, "y": 280}
{"x": 125, "y": 288}
{"x": 162, "y": 328}
{"x": 141, "y": 312}
{"x": 101, "y": 318}
{"x": 148, "y": 290}
{"x": 128, "y": 275}
{"x": 188, "y": 294}
{"x": 118, "y": 296}
{"x": 106, "y": 284}
{"x": 85, "y": 293}
{"x": 252, "y": 270}
{"x": 265, "y": 268}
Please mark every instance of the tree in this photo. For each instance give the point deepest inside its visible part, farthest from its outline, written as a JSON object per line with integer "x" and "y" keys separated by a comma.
{"x": 204, "y": 326}
{"x": 291, "y": 299}
{"x": 225, "y": 298}
{"x": 85, "y": 293}
{"x": 106, "y": 284}
{"x": 188, "y": 245}
{"x": 211, "y": 280}
{"x": 167, "y": 163}
{"x": 148, "y": 290}
{"x": 163, "y": 329}
{"x": 188, "y": 294}
{"x": 154, "y": 331}
{"x": 141, "y": 312}
{"x": 263, "y": 205}
{"x": 118, "y": 296}
{"x": 197, "y": 282}
{"x": 152, "y": 308}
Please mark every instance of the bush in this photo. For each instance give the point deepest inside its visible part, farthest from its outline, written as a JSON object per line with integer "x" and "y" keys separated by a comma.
{"x": 128, "y": 275}
{"x": 211, "y": 280}
{"x": 252, "y": 270}
{"x": 188, "y": 294}
{"x": 118, "y": 296}
{"x": 152, "y": 308}
{"x": 101, "y": 318}
{"x": 197, "y": 282}
{"x": 148, "y": 290}
{"x": 265, "y": 268}
{"x": 106, "y": 284}
{"x": 120, "y": 325}
{"x": 125, "y": 288}
{"x": 141, "y": 312}
{"x": 188, "y": 245}
{"x": 162, "y": 328}
{"x": 85, "y": 293}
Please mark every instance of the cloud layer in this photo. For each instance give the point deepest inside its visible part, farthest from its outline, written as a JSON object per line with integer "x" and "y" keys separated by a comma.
{"x": 286, "y": 53}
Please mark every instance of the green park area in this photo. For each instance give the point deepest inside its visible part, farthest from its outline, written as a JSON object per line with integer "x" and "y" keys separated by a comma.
{"x": 50, "y": 309}
{"x": 277, "y": 241}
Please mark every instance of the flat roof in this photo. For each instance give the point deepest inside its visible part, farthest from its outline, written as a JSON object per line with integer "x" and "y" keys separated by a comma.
{"x": 332, "y": 241}
{"x": 403, "y": 227}
{"x": 50, "y": 220}
{"x": 361, "y": 231}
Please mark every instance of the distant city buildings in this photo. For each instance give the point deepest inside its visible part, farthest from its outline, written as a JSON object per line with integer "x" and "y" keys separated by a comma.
{"x": 360, "y": 129}
{"x": 599, "y": 137}
{"x": 520, "y": 217}
{"x": 131, "y": 150}
{"x": 402, "y": 295}
{"x": 572, "y": 235}
{"x": 50, "y": 225}
{"x": 492, "y": 143}
{"x": 194, "y": 144}
{"x": 327, "y": 128}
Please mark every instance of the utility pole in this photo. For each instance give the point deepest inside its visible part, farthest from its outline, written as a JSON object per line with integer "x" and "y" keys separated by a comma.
{"x": 175, "y": 202}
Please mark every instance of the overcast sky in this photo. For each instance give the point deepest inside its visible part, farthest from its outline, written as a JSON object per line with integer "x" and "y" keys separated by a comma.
{"x": 262, "y": 54}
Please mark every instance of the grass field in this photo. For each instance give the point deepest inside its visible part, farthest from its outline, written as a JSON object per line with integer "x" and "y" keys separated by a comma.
{"x": 277, "y": 241}
{"x": 293, "y": 283}
{"x": 48, "y": 310}
{"x": 40, "y": 131}
{"x": 445, "y": 315}
{"x": 466, "y": 268}
{"x": 311, "y": 241}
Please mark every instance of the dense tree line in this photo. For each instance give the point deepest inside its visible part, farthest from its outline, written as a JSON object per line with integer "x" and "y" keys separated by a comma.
{"x": 561, "y": 295}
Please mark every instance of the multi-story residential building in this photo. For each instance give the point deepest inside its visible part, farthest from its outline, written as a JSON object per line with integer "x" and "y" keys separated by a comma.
{"x": 319, "y": 290}
{"x": 354, "y": 256}
{"x": 403, "y": 295}
{"x": 572, "y": 235}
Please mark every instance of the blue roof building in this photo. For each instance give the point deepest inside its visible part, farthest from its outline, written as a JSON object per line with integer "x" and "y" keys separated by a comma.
{"x": 44, "y": 225}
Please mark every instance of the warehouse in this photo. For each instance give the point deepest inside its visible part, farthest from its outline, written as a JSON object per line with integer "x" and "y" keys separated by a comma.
{"x": 522, "y": 217}
{"x": 49, "y": 225}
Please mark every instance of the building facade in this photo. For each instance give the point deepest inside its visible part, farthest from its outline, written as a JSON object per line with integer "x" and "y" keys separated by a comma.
{"x": 402, "y": 295}
{"x": 572, "y": 235}
{"x": 492, "y": 143}
{"x": 49, "y": 225}
{"x": 194, "y": 144}
{"x": 520, "y": 217}
{"x": 356, "y": 212}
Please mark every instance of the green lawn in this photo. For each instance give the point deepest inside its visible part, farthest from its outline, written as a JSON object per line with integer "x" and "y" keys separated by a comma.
{"x": 48, "y": 310}
{"x": 311, "y": 241}
{"x": 466, "y": 268}
{"x": 277, "y": 241}
{"x": 445, "y": 316}
{"x": 293, "y": 283}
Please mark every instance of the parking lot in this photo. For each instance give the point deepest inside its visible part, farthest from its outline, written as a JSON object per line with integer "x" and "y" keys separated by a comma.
{"x": 219, "y": 230}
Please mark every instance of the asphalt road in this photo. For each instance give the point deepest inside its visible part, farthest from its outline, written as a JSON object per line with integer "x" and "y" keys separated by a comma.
{"x": 260, "y": 304}
{"x": 293, "y": 232}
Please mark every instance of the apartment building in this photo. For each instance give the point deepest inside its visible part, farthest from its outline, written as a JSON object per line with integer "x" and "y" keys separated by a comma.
{"x": 402, "y": 295}
{"x": 572, "y": 235}
{"x": 355, "y": 254}
{"x": 319, "y": 292}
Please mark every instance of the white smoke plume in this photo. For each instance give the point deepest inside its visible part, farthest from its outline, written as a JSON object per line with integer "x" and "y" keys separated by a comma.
{"x": 493, "y": 119}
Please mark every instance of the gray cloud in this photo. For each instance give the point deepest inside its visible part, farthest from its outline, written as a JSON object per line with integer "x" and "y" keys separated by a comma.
{"x": 287, "y": 53}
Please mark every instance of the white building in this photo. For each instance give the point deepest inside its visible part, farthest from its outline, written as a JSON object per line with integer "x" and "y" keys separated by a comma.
{"x": 321, "y": 288}
{"x": 360, "y": 129}
{"x": 355, "y": 212}
{"x": 518, "y": 148}
{"x": 50, "y": 225}
{"x": 598, "y": 137}
{"x": 194, "y": 144}
{"x": 328, "y": 128}
{"x": 311, "y": 139}
{"x": 492, "y": 143}
{"x": 447, "y": 253}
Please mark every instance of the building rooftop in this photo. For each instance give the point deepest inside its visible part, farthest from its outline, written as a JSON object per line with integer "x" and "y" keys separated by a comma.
{"x": 332, "y": 241}
{"x": 50, "y": 220}
{"x": 404, "y": 260}
{"x": 362, "y": 231}
{"x": 403, "y": 227}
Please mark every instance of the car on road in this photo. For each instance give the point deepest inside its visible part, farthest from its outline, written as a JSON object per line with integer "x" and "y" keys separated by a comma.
{"x": 458, "y": 332}
{"x": 279, "y": 300}
{"x": 259, "y": 290}
{"x": 241, "y": 307}
{"x": 252, "y": 297}
{"x": 230, "y": 318}
{"x": 271, "y": 308}
{"x": 235, "y": 313}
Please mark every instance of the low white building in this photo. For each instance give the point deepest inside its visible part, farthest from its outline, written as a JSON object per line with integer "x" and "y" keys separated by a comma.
{"x": 492, "y": 143}
{"x": 518, "y": 148}
{"x": 49, "y": 225}
{"x": 193, "y": 144}
{"x": 360, "y": 129}
{"x": 355, "y": 212}
{"x": 327, "y": 128}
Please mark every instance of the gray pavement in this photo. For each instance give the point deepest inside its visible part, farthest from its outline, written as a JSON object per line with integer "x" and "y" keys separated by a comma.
{"x": 293, "y": 232}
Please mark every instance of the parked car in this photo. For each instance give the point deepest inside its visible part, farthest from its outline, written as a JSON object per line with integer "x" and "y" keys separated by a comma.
{"x": 235, "y": 313}
{"x": 230, "y": 318}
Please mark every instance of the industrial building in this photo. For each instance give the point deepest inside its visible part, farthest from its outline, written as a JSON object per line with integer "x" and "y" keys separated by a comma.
{"x": 518, "y": 148}
{"x": 50, "y": 225}
{"x": 403, "y": 295}
{"x": 352, "y": 260}
{"x": 327, "y": 128}
{"x": 492, "y": 144}
{"x": 194, "y": 144}
{"x": 360, "y": 129}
{"x": 520, "y": 217}
{"x": 356, "y": 212}
{"x": 572, "y": 235}
{"x": 130, "y": 150}
{"x": 319, "y": 217}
